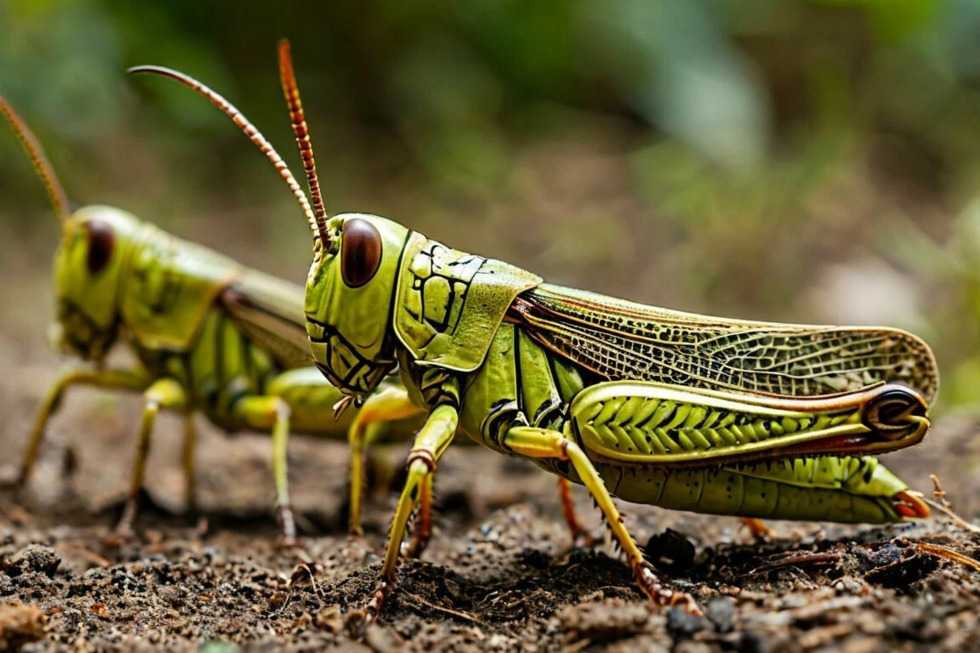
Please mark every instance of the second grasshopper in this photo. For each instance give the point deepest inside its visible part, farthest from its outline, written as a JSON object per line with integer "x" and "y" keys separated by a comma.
{"x": 211, "y": 335}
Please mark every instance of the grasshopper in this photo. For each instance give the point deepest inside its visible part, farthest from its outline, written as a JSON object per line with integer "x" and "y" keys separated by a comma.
{"x": 210, "y": 335}
{"x": 654, "y": 406}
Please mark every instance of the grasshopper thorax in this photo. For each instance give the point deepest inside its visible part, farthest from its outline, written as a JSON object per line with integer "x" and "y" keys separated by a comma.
{"x": 88, "y": 267}
{"x": 349, "y": 294}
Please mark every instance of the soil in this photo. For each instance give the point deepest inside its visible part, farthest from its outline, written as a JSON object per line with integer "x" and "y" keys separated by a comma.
{"x": 500, "y": 573}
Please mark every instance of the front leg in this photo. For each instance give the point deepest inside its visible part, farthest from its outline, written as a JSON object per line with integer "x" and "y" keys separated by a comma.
{"x": 422, "y": 526}
{"x": 301, "y": 399}
{"x": 129, "y": 380}
{"x": 388, "y": 405}
{"x": 431, "y": 442}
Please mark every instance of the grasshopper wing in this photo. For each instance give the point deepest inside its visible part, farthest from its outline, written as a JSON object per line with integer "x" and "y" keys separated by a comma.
{"x": 270, "y": 311}
{"x": 622, "y": 340}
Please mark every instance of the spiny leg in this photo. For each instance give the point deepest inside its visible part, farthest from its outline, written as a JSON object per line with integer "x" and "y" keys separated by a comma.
{"x": 389, "y": 405}
{"x": 163, "y": 393}
{"x": 265, "y": 412}
{"x": 580, "y": 534}
{"x": 544, "y": 443}
{"x": 432, "y": 440}
{"x": 108, "y": 379}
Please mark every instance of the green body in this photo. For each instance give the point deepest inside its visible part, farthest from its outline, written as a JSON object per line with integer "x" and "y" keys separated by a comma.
{"x": 182, "y": 307}
{"x": 827, "y": 488}
{"x": 211, "y": 336}
{"x": 521, "y": 383}
{"x": 509, "y": 351}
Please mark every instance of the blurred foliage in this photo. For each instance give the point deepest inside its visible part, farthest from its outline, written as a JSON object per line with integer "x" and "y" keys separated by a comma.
{"x": 808, "y": 160}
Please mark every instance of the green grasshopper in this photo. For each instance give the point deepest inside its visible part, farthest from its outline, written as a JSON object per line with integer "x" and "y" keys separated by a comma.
{"x": 211, "y": 335}
{"x": 651, "y": 405}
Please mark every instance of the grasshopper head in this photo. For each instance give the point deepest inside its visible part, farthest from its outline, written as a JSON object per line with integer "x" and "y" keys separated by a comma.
{"x": 95, "y": 243}
{"x": 95, "y": 246}
{"x": 352, "y": 282}
{"x": 349, "y": 294}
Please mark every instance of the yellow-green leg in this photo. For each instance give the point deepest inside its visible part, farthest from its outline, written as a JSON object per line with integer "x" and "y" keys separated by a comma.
{"x": 431, "y": 442}
{"x": 163, "y": 393}
{"x": 265, "y": 413}
{"x": 108, "y": 379}
{"x": 389, "y": 405}
{"x": 544, "y": 443}
{"x": 580, "y": 534}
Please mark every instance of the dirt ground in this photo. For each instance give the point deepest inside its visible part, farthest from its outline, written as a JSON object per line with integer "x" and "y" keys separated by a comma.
{"x": 500, "y": 573}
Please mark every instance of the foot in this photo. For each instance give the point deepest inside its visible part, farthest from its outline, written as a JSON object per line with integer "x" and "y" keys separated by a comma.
{"x": 358, "y": 620}
{"x": 760, "y": 531}
{"x": 123, "y": 532}
{"x": 653, "y": 588}
{"x": 287, "y": 525}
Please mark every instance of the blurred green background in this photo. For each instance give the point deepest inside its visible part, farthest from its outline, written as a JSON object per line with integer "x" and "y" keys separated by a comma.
{"x": 809, "y": 161}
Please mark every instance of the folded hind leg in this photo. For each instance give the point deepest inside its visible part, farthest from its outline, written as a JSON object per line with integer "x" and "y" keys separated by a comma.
{"x": 544, "y": 443}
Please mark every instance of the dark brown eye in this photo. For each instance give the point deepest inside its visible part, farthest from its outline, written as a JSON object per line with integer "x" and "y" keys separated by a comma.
{"x": 360, "y": 254}
{"x": 101, "y": 241}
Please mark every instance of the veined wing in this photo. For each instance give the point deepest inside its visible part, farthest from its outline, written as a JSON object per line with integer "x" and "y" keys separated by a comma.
{"x": 270, "y": 311}
{"x": 620, "y": 340}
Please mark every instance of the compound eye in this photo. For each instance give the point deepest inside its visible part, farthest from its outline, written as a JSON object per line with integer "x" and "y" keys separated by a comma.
{"x": 101, "y": 241}
{"x": 360, "y": 254}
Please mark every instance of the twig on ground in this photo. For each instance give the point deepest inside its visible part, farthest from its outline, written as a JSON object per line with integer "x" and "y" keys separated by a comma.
{"x": 799, "y": 560}
{"x": 455, "y": 613}
{"x": 948, "y": 554}
{"x": 942, "y": 505}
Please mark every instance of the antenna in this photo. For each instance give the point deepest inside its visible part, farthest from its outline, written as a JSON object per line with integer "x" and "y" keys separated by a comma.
{"x": 250, "y": 130}
{"x": 298, "y": 119}
{"x": 43, "y": 167}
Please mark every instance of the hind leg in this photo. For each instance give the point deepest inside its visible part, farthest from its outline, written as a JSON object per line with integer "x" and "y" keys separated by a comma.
{"x": 544, "y": 443}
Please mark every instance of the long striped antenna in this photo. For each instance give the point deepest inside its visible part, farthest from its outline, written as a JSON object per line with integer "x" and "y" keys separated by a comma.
{"x": 56, "y": 193}
{"x": 250, "y": 130}
{"x": 298, "y": 119}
